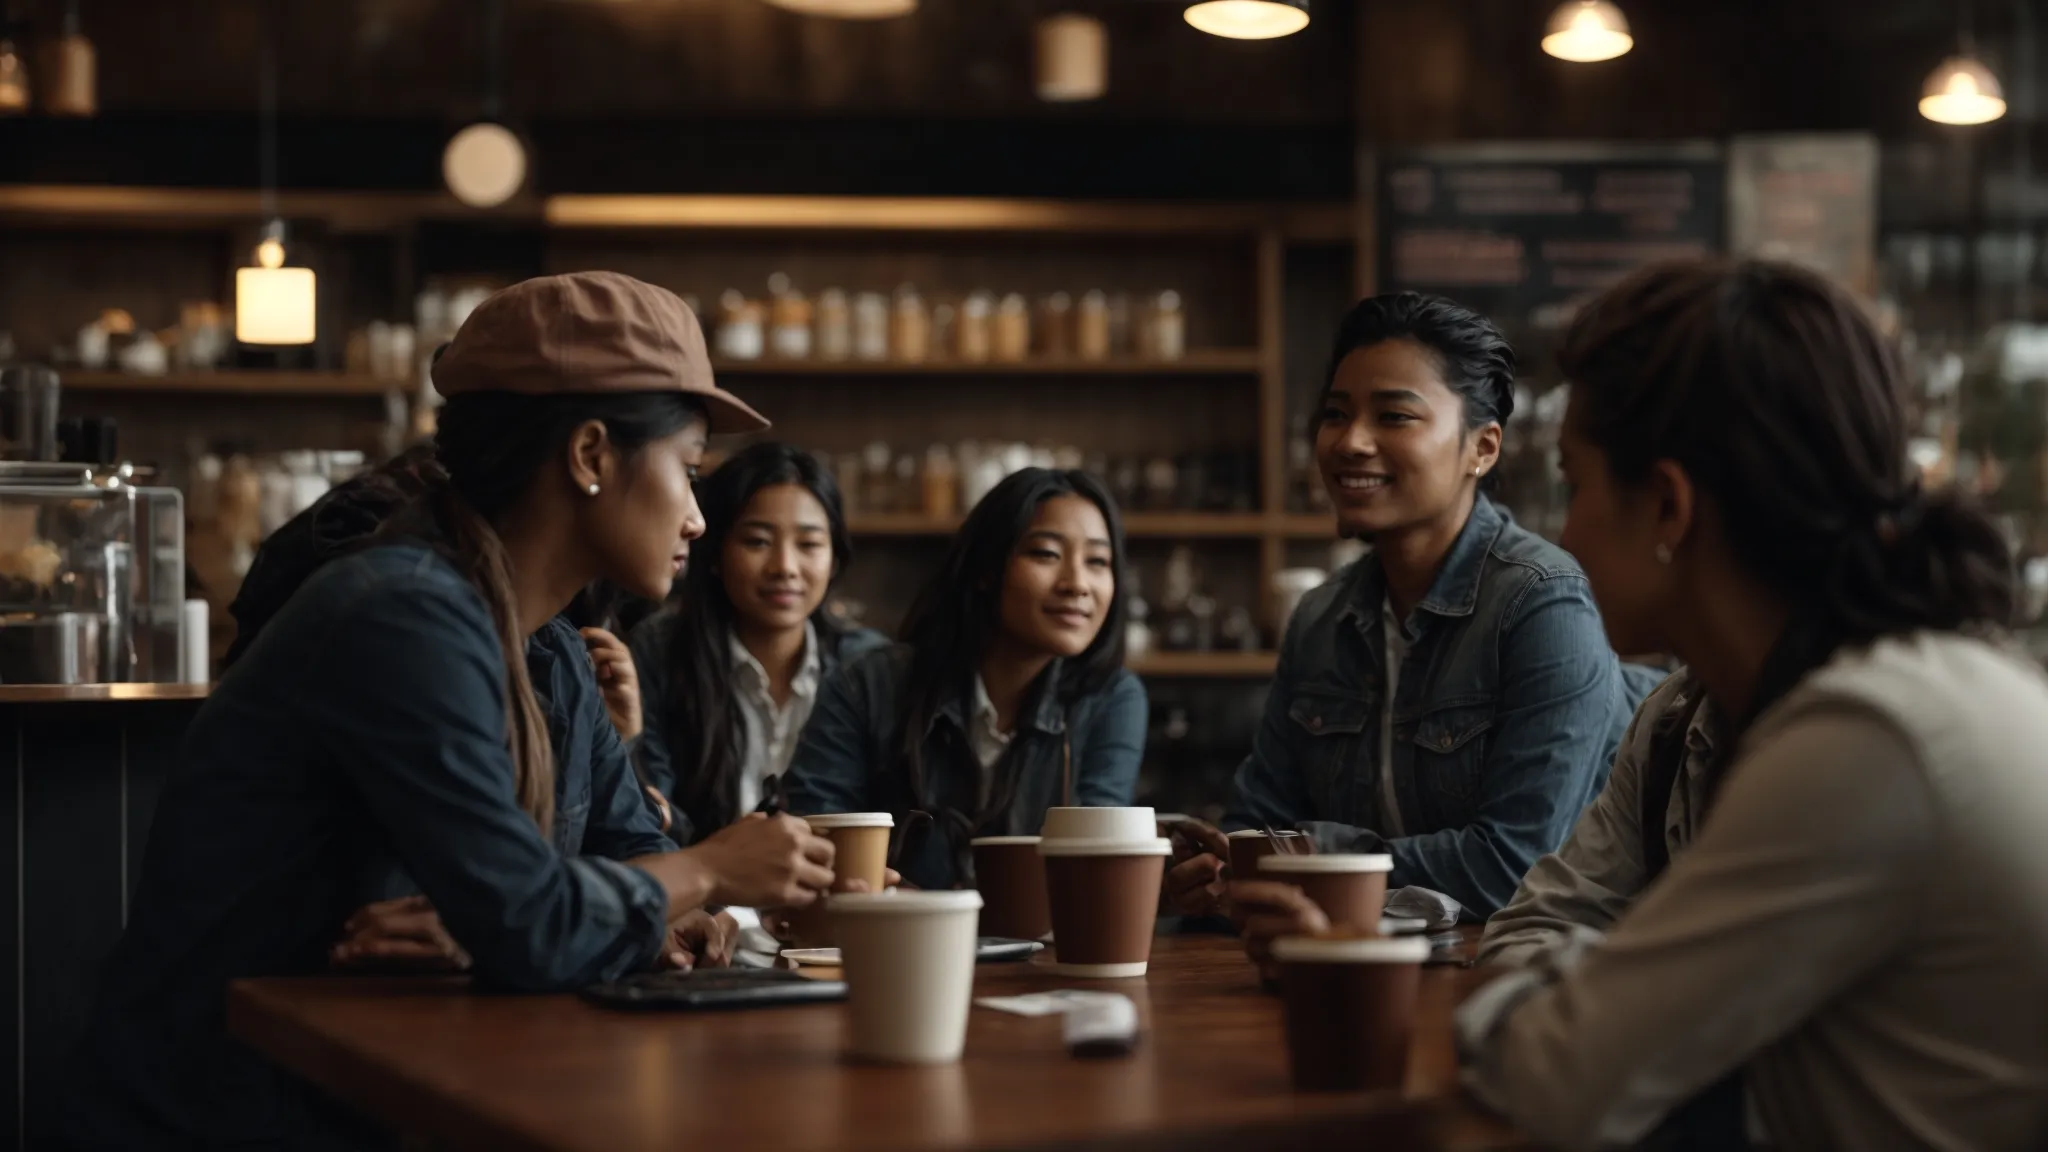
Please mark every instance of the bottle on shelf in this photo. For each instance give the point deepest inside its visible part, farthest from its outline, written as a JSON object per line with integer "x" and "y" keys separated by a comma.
{"x": 1012, "y": 330}
{"x": 789, "y": 320}
{"x": 871, "y": 326}
{"x": 740, "y": 334}
{"x": 1177, "y": 624}
{"x": 910, "y": 327}
{"x": 975, "y": 341}
{"x": 941, "y": 483}
{"x": 1055, "y": 328}
{"x": 834, "y": 338}
{"x": 1091, "y": 326}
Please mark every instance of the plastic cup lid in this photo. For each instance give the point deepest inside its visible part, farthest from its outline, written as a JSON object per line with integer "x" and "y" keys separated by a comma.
{"x": 1325, "y": 865}
{"x": 906, "y": 902}
{"x": 990, "y": 841}
{"x": 831, "y": 821}
{"x": 1098, "y": 847}
{"x": 1351, "y": 950}
{"x": 1259, "y": 834}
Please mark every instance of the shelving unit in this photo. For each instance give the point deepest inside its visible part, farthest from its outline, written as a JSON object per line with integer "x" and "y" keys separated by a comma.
{"x": 1228, "y": 394}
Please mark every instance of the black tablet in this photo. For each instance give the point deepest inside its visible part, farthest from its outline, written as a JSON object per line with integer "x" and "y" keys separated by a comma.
{"x": 714, "y": 988}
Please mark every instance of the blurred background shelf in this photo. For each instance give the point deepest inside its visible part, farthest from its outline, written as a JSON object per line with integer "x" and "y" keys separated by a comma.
{"x": 230, "y": 382}
{"x": 1206, "y": 665}
{"x": 1198, "y": 362}
{"x": 1154, "y": 525}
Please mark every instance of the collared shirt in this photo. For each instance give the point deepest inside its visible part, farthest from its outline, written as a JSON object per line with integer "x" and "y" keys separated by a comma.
{"x": 984, "y": 732}
{"x": 1397, "y": 651}
{"x": 771, "y": 728}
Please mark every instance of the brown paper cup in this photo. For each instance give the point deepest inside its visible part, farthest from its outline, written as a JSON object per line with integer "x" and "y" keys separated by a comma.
{"x": 860, "y": 843}
{"x": 1248, "y": 847}
{"x": 1011, "y": 876}
{"x": 1350, "y": 1008}
{"x": 1350, "y": 889}
{"x": 1104, "y": 898}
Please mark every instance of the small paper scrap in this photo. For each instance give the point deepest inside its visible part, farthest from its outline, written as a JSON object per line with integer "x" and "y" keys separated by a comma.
{"x": 1044, "y": 1003}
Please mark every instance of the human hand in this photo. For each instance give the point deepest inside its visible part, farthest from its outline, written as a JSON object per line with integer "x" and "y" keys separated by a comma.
{"x": 700, "y": 939}
{"x": 402, "y": 931}
{"x": 1268, "y": 911}
{"x": 1194, "y": 884}
{"x": 767, "y": 862}
{"x": 617, "y": 678}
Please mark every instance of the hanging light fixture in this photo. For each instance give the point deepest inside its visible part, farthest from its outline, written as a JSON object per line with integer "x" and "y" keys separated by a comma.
{"x": 273, "y": 304}
{"x": 1249, "y": 19}
{"x": 1072, "y": 59}
{"x": 1962, "y": 91}
{"x": 1584, "y": 31}
{"x": 484, "y": 164}
{"x": 849, "y": 9}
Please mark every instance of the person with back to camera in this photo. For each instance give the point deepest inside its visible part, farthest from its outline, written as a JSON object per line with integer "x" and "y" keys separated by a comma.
{"x": 1449, "y": 700}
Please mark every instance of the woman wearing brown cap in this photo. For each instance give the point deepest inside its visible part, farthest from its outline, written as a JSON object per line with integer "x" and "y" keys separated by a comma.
{"x": 388, "y": 712}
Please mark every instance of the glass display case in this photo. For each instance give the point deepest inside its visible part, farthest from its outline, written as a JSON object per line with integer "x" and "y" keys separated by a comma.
{"x": 92, "y": 576}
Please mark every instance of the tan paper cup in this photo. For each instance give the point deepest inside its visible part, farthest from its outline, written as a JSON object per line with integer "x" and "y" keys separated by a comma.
{"x": 1350, "y": 1006}
{"x": 860, "y": 843}
{"x": 1011, "y": 876}
{"x": 1100, "y": 824}
{"x": 908, "y": 958}
{"x": 1104, "y": 897}
{"x": 1250, "y": 846}
{"x": 1350, "y": 889}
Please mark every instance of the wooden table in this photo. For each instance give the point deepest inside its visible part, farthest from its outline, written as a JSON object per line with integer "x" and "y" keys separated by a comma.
{"x": 458, "y": 1069}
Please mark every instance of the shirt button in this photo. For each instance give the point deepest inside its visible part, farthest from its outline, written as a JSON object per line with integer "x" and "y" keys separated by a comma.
{"x": 1444, "y": 742}
{"x": 1315, "y": 723}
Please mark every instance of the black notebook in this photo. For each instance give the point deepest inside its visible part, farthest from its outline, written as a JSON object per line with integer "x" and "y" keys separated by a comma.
{"x": 714, "y": 988}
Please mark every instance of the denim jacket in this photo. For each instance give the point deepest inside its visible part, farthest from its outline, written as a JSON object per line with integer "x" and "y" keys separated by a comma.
{"x": 365, "y": 726}
{"x": 1507, "y": 711}
{"x": 849, "y": 759}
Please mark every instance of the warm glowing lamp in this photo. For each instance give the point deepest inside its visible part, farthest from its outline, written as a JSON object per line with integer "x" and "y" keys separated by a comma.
{"x": 274, "y": 304}
{"x": 1249, "y": 19}
{"x": 1962, "y": 91}
{"x": 484, "y": 165}
{"x": 849, "y": 9}
{"x": 1584, "y": 31}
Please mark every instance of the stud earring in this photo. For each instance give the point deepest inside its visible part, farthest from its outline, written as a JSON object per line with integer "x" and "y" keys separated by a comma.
{"x": 592, "y": 489}
{"x": 1663, "y": 553}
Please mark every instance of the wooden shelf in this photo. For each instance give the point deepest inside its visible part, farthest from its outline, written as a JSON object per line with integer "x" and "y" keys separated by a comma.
{"x": 228, "y": 382}
{"x": 1146, "y": 525}
{"x": 1198, "y": 362}
{"x": 1307, "y": 526}
{"x": 1206, "y": 665}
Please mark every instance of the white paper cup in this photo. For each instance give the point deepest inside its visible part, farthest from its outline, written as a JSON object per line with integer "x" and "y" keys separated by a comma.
{"x": 1100, "y": 824}
{"x": 909, "y": 964}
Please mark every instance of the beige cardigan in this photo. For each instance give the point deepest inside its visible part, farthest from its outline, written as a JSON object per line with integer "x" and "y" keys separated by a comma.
{"x": 1861, "y": 927}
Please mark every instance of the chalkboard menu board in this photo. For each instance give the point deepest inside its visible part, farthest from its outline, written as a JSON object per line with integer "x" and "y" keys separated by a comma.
{"x": 1524, "y": 233}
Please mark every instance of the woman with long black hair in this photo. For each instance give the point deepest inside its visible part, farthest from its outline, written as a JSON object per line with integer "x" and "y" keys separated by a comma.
{"x": 1811, "y": 908}
{"x": 1007, "y": 695}
{"x": 388, "y": 711}
{"x": 730, "y": 676}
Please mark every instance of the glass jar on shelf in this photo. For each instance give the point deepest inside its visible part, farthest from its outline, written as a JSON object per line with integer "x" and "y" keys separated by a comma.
{"x": 1012, "y": 330}
{"x": 789, "y": 321}
{"x": 871, "y": 326}
{"x": 1091, "y": 326}
{"x": 1165, "y": 328}
{"x": 833, "y": 339}
{"x": 1055, "y": 327}
{"x": 910, "y": 328}
{"x": 740, "y": 327}
{"x": 975, "y": 340}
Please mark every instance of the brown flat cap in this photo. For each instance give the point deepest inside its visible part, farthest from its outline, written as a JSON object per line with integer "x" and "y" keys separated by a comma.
{"x": 588, "y": 332}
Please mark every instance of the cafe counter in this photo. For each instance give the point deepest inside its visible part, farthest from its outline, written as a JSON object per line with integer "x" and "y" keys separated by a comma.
{"x": 85, "y": 765}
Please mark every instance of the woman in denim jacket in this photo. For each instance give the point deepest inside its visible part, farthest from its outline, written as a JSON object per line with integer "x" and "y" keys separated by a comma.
{"x": 1451, "y": 699}
{"x": 1008, "y": 695}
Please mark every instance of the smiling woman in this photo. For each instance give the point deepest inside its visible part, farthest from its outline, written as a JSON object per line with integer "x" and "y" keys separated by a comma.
{"x": 1008, "y": 694}
{"x": 1450, "y": 699}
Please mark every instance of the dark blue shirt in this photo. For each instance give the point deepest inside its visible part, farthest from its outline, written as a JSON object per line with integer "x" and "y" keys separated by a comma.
{"x": 364, "y": 730}
{"x": 1505, "y": 718}
{"x": 850, "y": 759}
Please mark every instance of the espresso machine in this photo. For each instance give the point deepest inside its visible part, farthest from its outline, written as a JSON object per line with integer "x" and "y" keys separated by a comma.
{"x": 92, "y": 557}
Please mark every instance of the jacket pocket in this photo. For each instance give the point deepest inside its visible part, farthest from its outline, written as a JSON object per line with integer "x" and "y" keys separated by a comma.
{"x": 1450, "y": 752}
{"x": 1335, "y": 763}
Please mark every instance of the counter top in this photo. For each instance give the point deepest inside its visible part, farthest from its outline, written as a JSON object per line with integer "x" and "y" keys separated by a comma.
{"x": 103, "y": 693}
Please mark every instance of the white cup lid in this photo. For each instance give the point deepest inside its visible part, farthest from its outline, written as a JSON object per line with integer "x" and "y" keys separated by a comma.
{"x": 1338, "y": 950}
{"x": 1325, "y": 865}
{"x": 1259, "y": 834}
{"x": 991, "y": 841}
{"x": 1095, "y": 847}
{"x": 830, "y": 821}
{"x": 906, "y": 902}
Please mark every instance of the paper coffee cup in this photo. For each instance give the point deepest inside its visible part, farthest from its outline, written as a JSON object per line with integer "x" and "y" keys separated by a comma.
{"x": 1350, "y": 1008}
{"x": 1249, "y": 846}
{"x": 1011, "y": 877}
{"x": 1350, "y": 889}
{"x": 1104, "y": 898}
{"x": 860, "y": 842}
{"x": 1100, "y": 824}
{"x": 908, "y": 959}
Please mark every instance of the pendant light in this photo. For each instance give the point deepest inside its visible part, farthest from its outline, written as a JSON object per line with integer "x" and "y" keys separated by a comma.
{"x": 1072, "y": 59}
{"x": 273, "y": 304}
{"x": 1962, "y": 90}
{"x": 848, "y": 9}
{"x": 1249, "y": 19}
{"x": 484, "y": 164}
{"x": 1584, "y": 31}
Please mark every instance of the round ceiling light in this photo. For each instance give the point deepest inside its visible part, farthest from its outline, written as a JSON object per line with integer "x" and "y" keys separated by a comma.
{"x": 1584, "y": 31}
{"x": 849, "y": 9}
{"x": 484, "y": 165}
{"x": 1249, "y": 19}
{"x": 1962, "y": 91}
